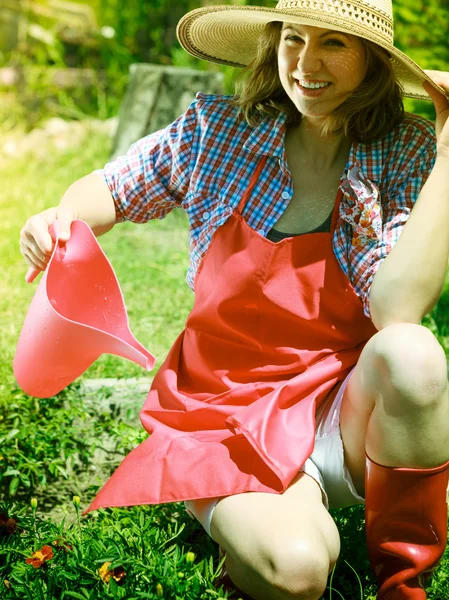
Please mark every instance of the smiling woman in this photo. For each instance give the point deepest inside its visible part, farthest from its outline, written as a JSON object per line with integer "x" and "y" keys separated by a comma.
{"x": 369, "y": 112}
{"x": 302, "y": 380}
{"x": 310, "y": 54}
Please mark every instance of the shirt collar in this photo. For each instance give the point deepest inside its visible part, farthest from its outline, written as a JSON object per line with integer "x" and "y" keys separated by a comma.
{"x": 368, "y": 157}
{"x": 268, "y": 136}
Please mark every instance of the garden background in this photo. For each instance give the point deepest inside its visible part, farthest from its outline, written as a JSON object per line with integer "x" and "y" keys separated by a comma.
{"x": 56, "y": 448}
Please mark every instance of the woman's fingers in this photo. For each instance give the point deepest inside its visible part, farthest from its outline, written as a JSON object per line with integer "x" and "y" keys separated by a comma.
{"x": 34, "y": 262}
{"x": 36, "y": 243}
{"x": 34, "y": 256}
{"x": 37, "y": 238}
{"x": 439, "y": 77}
{"x": 65, "y": 218}
{"x": 440, "y": 100}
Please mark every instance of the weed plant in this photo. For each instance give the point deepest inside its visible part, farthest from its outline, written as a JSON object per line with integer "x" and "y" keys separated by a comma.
{"x": 134, "y": 553}
{"x": 147, "y": 552}
{"x": 44, "y": 440}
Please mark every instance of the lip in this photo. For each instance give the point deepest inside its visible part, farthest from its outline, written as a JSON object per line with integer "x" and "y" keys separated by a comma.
{"x": 311, "y": 93}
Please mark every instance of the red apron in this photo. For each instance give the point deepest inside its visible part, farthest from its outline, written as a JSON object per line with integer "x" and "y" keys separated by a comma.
{"x": 274, "y": 327}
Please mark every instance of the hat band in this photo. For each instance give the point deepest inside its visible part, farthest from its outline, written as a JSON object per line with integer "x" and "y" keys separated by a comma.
{"x": 349, "y": 12}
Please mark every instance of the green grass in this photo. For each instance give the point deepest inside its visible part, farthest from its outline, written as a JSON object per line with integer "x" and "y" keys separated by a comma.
{"x": 150, "y": 261}
{"x": 154, "y": 546}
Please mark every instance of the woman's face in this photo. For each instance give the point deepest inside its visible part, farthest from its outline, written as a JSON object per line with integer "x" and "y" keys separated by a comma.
{"x": 312, "y": 54}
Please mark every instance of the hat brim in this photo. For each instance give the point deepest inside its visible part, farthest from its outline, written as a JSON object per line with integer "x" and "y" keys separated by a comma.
{"x": 228, "y": 35}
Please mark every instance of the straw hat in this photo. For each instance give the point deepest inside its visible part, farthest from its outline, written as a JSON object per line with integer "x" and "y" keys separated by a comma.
{"x": 229, "y": 34}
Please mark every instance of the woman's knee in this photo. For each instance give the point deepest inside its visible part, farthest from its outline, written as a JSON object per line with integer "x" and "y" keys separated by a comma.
{"x": 299, "y": 569}
{"x": 411, "y": 363}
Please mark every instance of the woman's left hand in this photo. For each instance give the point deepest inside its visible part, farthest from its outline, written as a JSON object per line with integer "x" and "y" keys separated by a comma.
{"x": 441, "y": 103}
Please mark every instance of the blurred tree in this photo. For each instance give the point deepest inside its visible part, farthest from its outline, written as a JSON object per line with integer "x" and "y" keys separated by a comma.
{"x": 422, "y": 31}
{"x": 144, "y": 31}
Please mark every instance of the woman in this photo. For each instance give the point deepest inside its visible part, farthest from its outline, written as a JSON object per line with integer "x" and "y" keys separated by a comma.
{"x": 304, "y": 303}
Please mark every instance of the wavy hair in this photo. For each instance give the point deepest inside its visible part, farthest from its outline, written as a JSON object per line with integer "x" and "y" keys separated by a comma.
{"x": 373, "y": 110}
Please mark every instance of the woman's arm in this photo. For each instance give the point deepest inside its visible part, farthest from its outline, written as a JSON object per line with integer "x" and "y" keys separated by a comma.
{"x": 410, "y": 280}
{"x": 149, "y": 181}
{"x": 89, "y": 199}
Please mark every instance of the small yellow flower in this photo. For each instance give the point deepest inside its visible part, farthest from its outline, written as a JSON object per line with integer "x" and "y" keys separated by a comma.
{"x": 190, "y": 557}
{"x": 76, "y": 501}
{"x": 117, "y": 574}
{"x": 104, "y": 572}
{"x": 159, "y": 591}
{"x": 180, "y": 574}
{"x": 33, "y": 503}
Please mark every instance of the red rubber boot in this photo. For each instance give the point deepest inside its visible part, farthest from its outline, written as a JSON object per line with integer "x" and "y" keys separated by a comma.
{"x": 406, "y": 526}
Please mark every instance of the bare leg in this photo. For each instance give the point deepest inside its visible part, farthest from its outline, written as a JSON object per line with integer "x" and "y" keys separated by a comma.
{"x": 396, "y": 404}
{"x": 278, "y": 546}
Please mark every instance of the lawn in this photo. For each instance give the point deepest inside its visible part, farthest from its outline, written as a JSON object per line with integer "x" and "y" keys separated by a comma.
{"x": 46, "y": 445}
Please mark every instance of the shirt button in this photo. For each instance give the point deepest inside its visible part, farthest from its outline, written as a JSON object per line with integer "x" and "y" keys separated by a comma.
{"x": 285, "y": 195}
{"x": 261, "y": 231}
{"x": 206, "y": 215}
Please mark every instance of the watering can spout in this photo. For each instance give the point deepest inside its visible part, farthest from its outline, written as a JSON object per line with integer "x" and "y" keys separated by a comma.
{"x": 77, "y": 314}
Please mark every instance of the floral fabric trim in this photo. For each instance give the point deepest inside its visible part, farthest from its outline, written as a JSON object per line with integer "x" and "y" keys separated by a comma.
{"x": 361, "y": 206}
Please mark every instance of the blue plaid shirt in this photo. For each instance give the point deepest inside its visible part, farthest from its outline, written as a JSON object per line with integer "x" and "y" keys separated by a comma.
{"x": 203, "y": 163}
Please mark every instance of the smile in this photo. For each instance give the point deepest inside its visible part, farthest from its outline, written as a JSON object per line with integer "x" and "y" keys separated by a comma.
{"x": 311, "y": 92}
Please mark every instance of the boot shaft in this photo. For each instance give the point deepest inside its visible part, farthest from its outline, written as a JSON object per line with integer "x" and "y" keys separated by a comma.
{"x": 406, "y": 526}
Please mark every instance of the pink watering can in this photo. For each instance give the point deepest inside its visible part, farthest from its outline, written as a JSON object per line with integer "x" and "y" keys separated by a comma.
{"x": 77, "y": 314}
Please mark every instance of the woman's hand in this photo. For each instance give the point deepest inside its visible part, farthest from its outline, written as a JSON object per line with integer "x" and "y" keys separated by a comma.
{"x": 441, "y": 103}
{"x": 36, "y": 243}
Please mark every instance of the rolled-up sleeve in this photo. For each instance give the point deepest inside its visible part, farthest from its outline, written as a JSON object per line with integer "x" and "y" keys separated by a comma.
{"x": 398, "y": 198}
{"x": 152, "y": 178}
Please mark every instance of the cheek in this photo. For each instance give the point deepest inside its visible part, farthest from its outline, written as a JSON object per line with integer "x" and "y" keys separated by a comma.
{"x": 282, "y": 65}
{"x": 350, "y": 66}
{"x": 284, "y": 62}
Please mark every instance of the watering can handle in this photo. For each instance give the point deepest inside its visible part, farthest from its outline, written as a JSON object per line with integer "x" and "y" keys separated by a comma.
{"x": 32, "y": 273}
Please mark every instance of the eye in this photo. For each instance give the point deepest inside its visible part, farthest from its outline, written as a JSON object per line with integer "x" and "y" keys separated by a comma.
{"x": 295, "y": 38}
{"x": 335, "y": 42}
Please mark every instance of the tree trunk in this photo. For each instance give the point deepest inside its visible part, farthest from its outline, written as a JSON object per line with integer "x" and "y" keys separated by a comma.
{"x": 156, "y": 96}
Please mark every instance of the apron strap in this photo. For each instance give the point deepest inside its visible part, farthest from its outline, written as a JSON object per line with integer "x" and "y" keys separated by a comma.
{"x": 252, "y": 183}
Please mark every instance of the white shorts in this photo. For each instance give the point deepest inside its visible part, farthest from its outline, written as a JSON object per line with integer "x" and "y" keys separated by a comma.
{"x": 326, "y": 465}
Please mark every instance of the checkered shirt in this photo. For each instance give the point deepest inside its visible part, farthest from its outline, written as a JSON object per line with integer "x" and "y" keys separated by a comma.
{"x": 203, "y": 163}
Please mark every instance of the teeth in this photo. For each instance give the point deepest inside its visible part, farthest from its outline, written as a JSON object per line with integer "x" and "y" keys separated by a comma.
{"x": 313, "y": 86}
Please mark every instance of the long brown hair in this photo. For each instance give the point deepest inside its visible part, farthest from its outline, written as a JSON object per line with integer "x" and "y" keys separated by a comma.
{"x": 370, "y": 113}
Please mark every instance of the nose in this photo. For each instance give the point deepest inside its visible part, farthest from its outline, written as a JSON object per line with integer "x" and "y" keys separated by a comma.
{"x": 309, "y": 58}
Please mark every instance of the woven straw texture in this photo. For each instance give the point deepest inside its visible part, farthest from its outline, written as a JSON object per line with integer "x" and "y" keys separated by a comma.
{"x": 228, "y": 34}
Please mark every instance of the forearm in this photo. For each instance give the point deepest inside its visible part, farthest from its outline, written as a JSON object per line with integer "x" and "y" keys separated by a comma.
{"x": 91, "y": 201}
{"x": 410, "y": 280}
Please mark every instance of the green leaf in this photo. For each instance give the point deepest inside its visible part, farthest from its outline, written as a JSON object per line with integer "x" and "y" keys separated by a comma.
{"x": 73, "y": 595}
{"x": 72, "y": 576}
{"x": 10, "y": 472}
{"x": 62, "y": 471}
{"x": 13, "y": 486}
{"x": 12, "y": 434}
